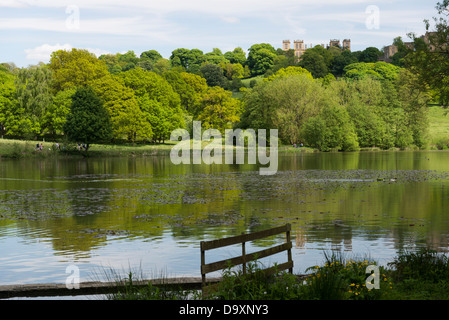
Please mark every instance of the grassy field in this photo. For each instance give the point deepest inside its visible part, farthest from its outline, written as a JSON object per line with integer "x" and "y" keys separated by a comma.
{"x": 438, "y": 124}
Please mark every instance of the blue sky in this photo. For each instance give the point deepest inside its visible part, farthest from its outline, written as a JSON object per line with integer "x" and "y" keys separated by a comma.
{"x": 31, "y": 29}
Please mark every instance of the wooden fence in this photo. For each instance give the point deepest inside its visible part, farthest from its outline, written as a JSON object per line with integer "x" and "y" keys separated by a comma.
{"x": 92, "y": 288}
{"x": 245, "y": 257}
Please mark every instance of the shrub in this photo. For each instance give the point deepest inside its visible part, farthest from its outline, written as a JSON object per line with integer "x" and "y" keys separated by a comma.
{"x": 256, "y": 285}
{"x": 344, "y": 279}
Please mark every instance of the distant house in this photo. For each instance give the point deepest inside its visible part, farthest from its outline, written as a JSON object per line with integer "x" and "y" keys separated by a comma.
{"x": 299, "y": 46}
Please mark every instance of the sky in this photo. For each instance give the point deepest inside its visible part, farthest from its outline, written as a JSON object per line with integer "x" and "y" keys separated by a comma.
{"x": 30, "y": 30}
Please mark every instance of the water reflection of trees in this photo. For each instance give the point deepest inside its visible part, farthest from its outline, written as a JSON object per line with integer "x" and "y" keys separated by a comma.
{"x": 87, "y": 201}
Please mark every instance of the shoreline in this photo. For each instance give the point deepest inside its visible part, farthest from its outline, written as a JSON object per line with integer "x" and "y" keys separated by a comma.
{"x": 21, "y": 149}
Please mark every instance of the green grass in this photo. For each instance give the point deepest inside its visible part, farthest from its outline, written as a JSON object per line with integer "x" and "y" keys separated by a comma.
{"x": 421, "y": 275}
{"x": 438, "y": 128}
{"x": 17, "y": 149}
{"x": 247, "y": 81}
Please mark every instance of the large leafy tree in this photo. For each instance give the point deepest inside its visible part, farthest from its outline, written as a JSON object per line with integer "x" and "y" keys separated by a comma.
{"x": 8, "y": 99}
{"x": 57, "y": 111}
{"x": 190, "y": 60}
{"x": 76, "y": 68}
{"x": 34, "y": 97}
{"x": 379, "y": 71}
{"x": 369, "y": 55}
{"x": 283, "y": 103}
{"x": 88, "y": 121}
{"x": 215, "y": 56}
{"x": 121, "y": 103}
{"x": 261, "y": 58}
{"x": 430, "y": 58}
{"x": 190, "y": 88}
{"x": 159, "y": 103}
{"x": 345, "y": 58}
{"x": 219, "y": 109}
{"x": 213, "y": 74}
{"x": 318, "y": 61}
{"x": 331, "y": 129}
{"x": 236, "y": 56}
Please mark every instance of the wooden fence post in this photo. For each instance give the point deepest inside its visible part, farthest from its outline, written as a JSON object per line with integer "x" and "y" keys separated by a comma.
{"x": 244, "y": 258}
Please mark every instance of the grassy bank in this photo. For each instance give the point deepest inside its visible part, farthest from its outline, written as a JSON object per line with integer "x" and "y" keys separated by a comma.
{"x": 438, "y": 138}
{"x": 421, "y": 275}
{"x": 17, "y": 149}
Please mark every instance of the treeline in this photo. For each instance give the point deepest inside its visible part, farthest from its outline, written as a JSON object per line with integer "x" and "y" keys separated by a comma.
{"x": 330, "y": 99}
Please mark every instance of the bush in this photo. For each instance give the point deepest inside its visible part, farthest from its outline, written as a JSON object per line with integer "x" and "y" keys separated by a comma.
{"x": 425, "y": 265}
{"x": 342, "y": 279}
{"x": 256, "y": 285}
{"x": 331, "y": 129}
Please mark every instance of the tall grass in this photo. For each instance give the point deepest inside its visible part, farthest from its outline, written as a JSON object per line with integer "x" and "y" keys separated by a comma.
{"x": 422, "y": 275}
{"x": 256, "y": 285}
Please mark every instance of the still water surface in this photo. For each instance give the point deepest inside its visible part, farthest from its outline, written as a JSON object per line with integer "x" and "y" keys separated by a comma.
{"x": 148, "y": 216}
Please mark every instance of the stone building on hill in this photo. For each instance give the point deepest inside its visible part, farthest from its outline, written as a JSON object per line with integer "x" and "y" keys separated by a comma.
{"x": 300, "y": 47}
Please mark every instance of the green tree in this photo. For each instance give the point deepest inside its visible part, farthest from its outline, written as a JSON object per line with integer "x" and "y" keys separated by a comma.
{"x": 198, "y": 87}
{"x": 232, "y": 70}
{"x": 88, "y": 121}
{"x": 341, "y": 61}
{"x": 429, "y": 59}
{"x": 289, "y": 71}
{"x": 315, "y": 62}
{"x": 34, "y": 96}
{"x": 161, "y": 66}
{"x": 378, "y": 71}
{"x": 213, "y": 74}
{"x": 127, "y": 120}
{"x": 159, "y": 103}
{"x": 331, "y": 129}
{"x": 370, "y": 55}
{"x": 151, "y": 55}
{"x": 215, "y": 57}
{"x": 127, "y": 60}
{"x": 112, "y": 63}
{"x": 261, "y": 58}
{"x": 8, "y": 101}
{"x": 75, "y": 68}
{"x": 190, "y": 60}
{"x": 190, "y": 88}
{"x": 236, "y": 56}
{"x": 56, "y": 113}
{"x": 219, "y": 110}
{"x": 414, "y": 102}
{"x": 284, "y": 103}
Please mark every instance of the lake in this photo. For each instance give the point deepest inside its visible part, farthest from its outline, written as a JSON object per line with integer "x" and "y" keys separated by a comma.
{"x": 147, "y": 215}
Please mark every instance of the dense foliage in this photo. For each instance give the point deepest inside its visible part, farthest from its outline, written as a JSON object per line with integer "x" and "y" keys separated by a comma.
{"x": 329, "y": 99}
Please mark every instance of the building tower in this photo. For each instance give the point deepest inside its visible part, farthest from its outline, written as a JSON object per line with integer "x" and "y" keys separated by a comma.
{"x": 334, "y": 43}
{"x": 286, "y": 45}
{"x": 347, "y": 44}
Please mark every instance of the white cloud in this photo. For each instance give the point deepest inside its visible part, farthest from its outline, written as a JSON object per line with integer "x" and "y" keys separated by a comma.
{"x": 230, "y": 19}
{"x": 43, "y": 52}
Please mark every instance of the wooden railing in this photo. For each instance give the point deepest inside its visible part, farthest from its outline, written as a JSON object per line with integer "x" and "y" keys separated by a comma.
{"x": 245, "y": 257}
